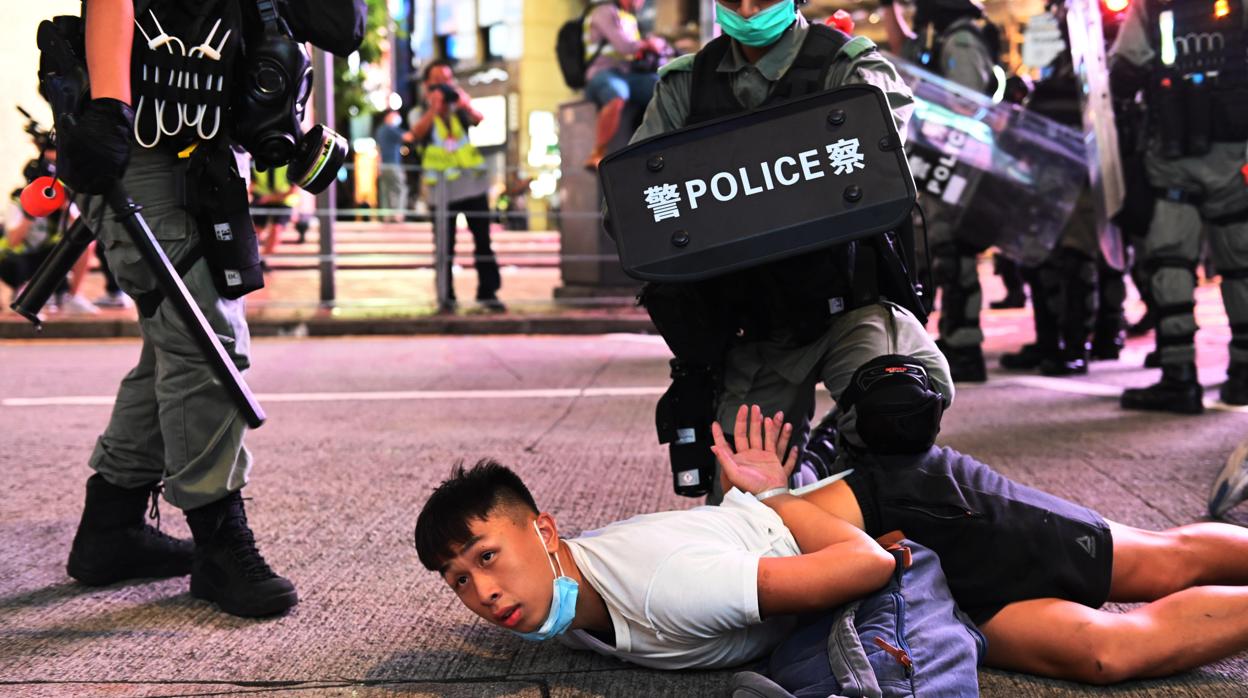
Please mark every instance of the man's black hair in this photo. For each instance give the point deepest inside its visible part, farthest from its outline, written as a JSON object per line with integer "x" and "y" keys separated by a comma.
{"x": 467, "y": 496}
{"x": 424, "y": 76}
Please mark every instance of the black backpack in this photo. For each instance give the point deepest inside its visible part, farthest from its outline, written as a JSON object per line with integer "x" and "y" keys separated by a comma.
{"x": 570, "y": 49}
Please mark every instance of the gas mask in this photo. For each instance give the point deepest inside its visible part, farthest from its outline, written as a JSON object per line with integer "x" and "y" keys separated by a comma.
{"x": 270, "y": 109}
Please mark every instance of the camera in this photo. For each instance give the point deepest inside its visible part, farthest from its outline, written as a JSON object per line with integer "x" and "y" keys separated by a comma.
{"x": 450, "y": 95}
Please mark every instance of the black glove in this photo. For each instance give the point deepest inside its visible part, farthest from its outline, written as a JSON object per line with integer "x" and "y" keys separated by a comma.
{"x": 94, "y": 150}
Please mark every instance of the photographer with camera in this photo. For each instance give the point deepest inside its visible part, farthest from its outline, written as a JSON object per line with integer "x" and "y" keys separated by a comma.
{"x": 623, "y": 67}
{"x": 174, "y": 426}
{"x": 454, "y": 171}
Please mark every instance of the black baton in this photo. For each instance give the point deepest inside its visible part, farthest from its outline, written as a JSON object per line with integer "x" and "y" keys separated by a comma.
{"x": 170, "y": 283}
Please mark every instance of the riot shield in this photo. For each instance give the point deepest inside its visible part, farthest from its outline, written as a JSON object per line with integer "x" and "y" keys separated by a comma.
{"x": 748, "y": 189}
{"x": 1087, "y": 51}
{"x": 997, "y": 174}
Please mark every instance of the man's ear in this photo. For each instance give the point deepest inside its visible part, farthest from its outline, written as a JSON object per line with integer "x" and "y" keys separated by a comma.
{"x": 549, "y": 531}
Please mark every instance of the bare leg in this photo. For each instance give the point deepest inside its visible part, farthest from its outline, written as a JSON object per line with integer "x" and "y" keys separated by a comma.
{"x": 608, "y": 124}
{"x": 272, "y": 237}
{"x": 1149, "y": 565}
{"x": 1065, "y": 640}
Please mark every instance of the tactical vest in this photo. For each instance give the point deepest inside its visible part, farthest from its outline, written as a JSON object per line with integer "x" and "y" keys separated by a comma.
{"x": 797, "y": 297}
{"x": 1199, "y": 90}
{"x": 928, "y": 51}
{"x": 183, "y": 70}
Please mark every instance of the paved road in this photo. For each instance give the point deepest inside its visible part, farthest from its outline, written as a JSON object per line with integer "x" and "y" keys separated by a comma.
{"x": 360, "y": 430}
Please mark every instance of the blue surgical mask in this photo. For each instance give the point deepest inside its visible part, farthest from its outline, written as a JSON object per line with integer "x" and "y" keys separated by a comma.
{"x": 562, "y": 602}
{"x": 763, "y": 29}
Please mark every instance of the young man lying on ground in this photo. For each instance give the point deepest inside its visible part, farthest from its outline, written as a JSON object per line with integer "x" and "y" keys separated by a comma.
{"x": 716, "y": 586}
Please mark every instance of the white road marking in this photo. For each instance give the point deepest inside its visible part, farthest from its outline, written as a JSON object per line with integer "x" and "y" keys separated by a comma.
{"x": 1061, "y": 385}
{"x": 1057, "y": 385}
{"x": 377, "y": 396}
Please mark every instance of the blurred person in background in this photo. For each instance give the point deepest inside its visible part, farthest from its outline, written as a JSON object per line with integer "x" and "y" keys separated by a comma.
{"x": 391, "y": 179}
{"x": 454, "y": 171}
{"x": 623, "y": 68}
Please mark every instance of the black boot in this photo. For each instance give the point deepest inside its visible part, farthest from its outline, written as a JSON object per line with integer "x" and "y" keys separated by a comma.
{"x": 1011, "y": 300}
{"x": 1178, "y": 391}
{"x": 1152, "y": 359}
{"x": 229, "y": 570}
{"x": 1071, "y": 362}
{"x": 1025, "y": 359}
{"x": 114, "y": 543}
{"x": 1108, "y": 341}
{"x": 966, "y": 364}
{"x": 1235, "y": 389}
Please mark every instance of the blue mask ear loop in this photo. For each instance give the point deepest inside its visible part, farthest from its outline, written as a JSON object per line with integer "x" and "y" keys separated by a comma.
{"x": 549, "y": 554}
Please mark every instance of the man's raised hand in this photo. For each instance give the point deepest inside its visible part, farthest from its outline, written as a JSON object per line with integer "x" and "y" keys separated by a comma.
{"x": 755, "y": 465}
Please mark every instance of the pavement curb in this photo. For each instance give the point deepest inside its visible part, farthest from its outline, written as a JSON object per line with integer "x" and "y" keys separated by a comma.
{"x": 338, "y": 327}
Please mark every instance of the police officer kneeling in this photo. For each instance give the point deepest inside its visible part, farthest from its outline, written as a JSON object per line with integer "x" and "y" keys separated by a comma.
{"x": 766, "y": 335}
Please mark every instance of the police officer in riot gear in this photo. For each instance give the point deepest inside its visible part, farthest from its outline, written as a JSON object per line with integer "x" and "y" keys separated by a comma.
{"x": 167, "y": 141}
{"x": 1188, "y": 58}
{"x": 1076, "y": 296}
{"x": 780, "y": 328}
{"x": 952, "y": 39}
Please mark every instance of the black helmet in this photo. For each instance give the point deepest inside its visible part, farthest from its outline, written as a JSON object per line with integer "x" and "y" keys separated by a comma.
{"x": 897, "y": 408}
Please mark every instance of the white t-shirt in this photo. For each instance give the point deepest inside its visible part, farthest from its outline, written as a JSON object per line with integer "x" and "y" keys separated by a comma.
{"x": 682, "y": 586}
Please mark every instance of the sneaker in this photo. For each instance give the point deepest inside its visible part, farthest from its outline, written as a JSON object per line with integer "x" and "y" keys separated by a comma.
{"x": 492, "y": 305}
{"x": 1230, "y": 487}
{"x": 76, "y": 304}
{"x": 114, "y": 300}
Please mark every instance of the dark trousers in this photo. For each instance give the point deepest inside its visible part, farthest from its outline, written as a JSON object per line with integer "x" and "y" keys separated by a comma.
{"x": 477, "y": 210}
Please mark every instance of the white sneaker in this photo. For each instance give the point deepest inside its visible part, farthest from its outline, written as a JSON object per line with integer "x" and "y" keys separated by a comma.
{"x": 76, "y": 304}
{"x": 1230, "y": 488}
{"x": 114, "y": 300}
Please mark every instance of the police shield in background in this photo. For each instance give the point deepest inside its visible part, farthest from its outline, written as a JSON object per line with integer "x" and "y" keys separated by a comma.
{"x": 1188, "y": 58}
{"x": 953, "y": 40}
{"x": 1077, "y": 295}
{"x": 165, "y": 109}
{"x": 768, "y": 334}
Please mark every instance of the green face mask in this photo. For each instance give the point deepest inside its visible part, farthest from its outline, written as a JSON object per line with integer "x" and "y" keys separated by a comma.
{"x": 763, "y": 29}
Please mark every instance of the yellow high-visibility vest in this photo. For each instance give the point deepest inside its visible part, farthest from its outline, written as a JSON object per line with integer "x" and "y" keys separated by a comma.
{"x": 273, "y": 181}
{"x": 449, "y": 152}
